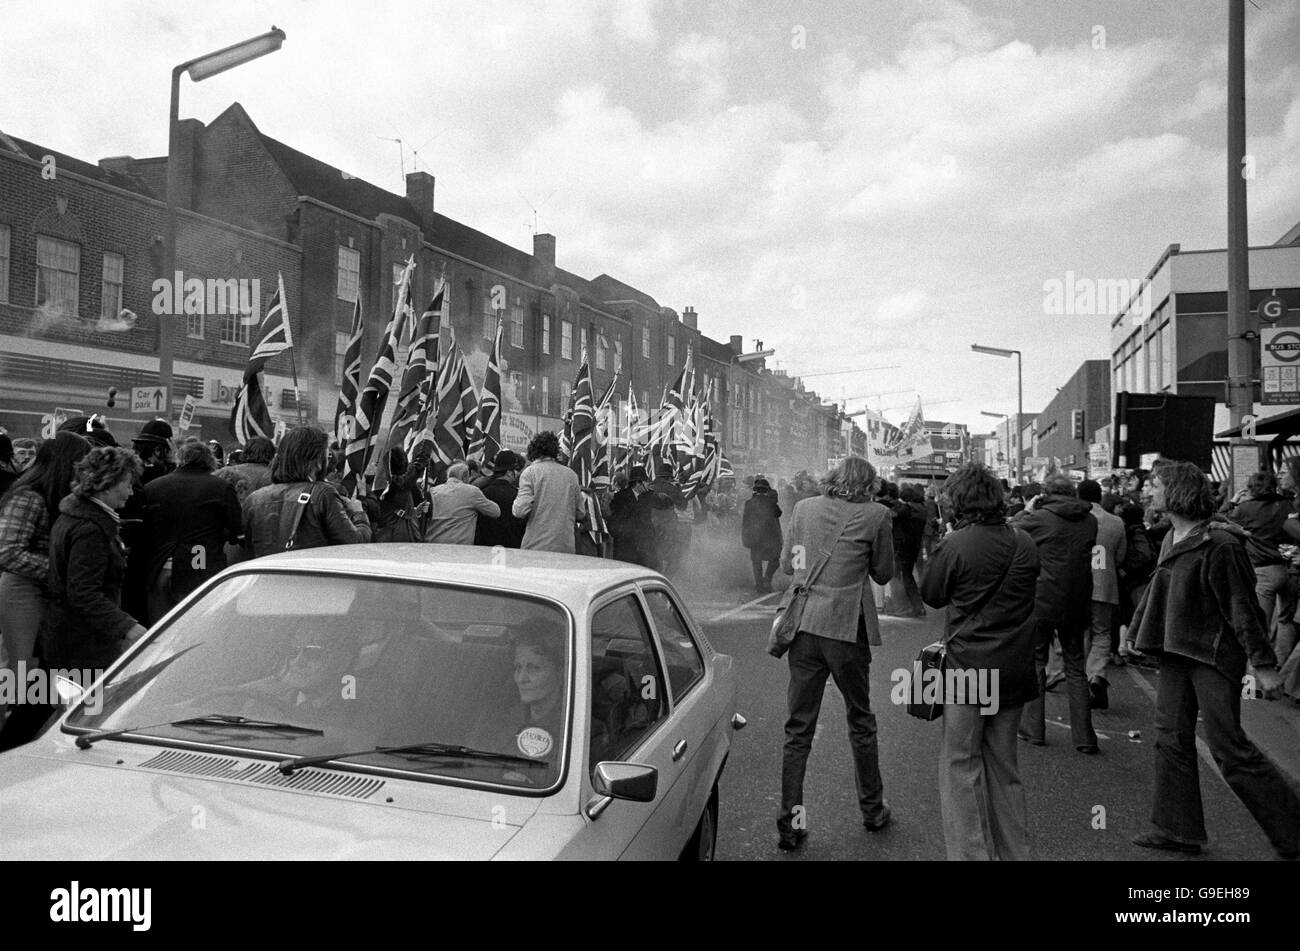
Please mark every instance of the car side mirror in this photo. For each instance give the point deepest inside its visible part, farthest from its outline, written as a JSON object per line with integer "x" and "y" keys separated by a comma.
{"x": 630, "y": 781}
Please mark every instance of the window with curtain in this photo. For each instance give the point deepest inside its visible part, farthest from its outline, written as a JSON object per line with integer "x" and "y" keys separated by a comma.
{"x": 349, "y": 279}
{"x": 672, "y": 350}
{"x": 566, "y": 339}
{"x": 58, "y": 272}
{"x": 546, "y": 396}
{"x": 546, "y": 333}
{"x": 517, "y": 324}
{"x": 111, "y": 291}
{"x": 645, "y": 341}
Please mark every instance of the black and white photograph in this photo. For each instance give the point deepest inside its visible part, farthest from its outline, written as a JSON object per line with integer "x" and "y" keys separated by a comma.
{"x": 595, "y": 430}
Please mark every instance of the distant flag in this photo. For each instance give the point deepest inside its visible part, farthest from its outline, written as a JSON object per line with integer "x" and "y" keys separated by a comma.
{"x": 370, "y": 407}
{"x": 582, "y": 423}
{"x": 421, "y": 368}
{"x": 350, "y": 385}
{"x": 250, "y": 416}
{"x": 487, "y": 434}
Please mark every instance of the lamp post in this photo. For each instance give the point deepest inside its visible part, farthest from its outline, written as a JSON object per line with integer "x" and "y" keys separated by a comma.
{"x": 1020, "y": 402}
{"x": 200, "y": 68}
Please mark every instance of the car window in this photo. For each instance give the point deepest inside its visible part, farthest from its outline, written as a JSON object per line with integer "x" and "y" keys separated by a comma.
{"x": 627, "y": 696}
{"x": 362, "y": 663}
{"x": 681, "y": 655}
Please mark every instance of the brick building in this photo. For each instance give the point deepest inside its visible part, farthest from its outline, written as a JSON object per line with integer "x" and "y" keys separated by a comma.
{"x": 78, "y": 248}
{"x": 1080, "y": 406}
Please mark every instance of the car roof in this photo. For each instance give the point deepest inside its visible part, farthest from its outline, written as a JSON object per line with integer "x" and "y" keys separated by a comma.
{"x": 574, "y": 579}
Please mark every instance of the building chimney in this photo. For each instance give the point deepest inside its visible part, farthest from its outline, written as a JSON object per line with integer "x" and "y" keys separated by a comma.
{"x": 737, "y": 344}
{"x": 419, "y": 192}
{"x": 690, "y": 318}
{"x": 544, "y": 257}
{"x": 117, "y": 164}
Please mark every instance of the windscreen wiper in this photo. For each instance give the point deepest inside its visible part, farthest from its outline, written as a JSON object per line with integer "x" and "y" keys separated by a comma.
{"x": 428, "y": 749}
{"x": 211, "y": 719}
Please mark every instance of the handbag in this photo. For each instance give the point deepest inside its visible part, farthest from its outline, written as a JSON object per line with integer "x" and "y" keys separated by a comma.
{"x": 932, "y": 656}
{"x": 789, "y": 617}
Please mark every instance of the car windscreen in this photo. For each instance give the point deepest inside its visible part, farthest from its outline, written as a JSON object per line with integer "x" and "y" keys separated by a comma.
{"x": 299, "y": 664}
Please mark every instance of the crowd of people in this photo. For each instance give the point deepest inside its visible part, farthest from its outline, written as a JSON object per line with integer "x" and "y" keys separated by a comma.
{"x": 1160, "y": 570}
{"x": 1044, "y": 584}
{"x": 99, "y": 540}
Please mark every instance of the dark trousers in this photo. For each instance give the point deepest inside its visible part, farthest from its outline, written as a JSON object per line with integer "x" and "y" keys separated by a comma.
{"x": 1033, "y": 722}
{"x": 1185, "y": 688}
{"x": 756, "y": 560}
{"x": 904, "y": 595}
{"x": 812, "y": 660}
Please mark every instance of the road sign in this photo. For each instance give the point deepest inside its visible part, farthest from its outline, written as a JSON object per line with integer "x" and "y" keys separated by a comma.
{"x": 148, "y": 399}
{"x": 1271, "y": 309}
{"x": 1279, "y": 366}
{"x": 187, "y": 413}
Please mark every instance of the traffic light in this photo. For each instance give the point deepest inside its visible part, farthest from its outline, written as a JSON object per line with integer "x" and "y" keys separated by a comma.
{"x": 1076, "y": 423}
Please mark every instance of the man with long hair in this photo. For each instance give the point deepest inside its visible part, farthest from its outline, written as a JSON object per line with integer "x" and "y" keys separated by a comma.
{"x": 842, "y": 536}
{"x": 984, "y": 572}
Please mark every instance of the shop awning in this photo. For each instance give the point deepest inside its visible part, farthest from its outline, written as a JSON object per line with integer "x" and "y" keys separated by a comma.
{"x": 1283, "y": 424}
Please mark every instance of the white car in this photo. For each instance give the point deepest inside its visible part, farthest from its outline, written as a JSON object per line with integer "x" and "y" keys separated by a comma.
{"x": 393, "y": 701}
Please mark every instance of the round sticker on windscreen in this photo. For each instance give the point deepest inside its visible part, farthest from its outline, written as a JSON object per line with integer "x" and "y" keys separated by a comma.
{"x": 534, "y": 741}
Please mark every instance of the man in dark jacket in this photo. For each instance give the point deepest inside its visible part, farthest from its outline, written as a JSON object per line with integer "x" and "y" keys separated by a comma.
{"x": 760, "y": 532}
{"x": 632, "y": 520}
{"x": 501, "y": 488}
{"x": 1065, "y": 531}
{"x": 189, "y": 516}
{"x": 153, "y": 444}
{"x": 909, "y": 530}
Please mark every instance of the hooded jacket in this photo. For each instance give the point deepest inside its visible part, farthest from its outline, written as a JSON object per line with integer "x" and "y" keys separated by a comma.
{"x": 1201, "y": 603}
{"x": 86, "y": 623}
{"x": 1064, "y": 529}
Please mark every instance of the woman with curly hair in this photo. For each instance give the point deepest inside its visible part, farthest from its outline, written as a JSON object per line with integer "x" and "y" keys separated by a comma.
{"x": 837, "y": 539}
{"x": 86, "y": 626}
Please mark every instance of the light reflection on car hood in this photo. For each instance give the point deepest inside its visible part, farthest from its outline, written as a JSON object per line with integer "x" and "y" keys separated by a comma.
{"x": 62, "y": 803}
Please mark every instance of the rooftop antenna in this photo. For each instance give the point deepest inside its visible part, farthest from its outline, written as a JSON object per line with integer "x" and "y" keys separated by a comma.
{"x": 534, "y": 208}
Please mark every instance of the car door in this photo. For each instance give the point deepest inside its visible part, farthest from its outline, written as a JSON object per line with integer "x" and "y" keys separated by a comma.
{"x": 691, "y": 724}
{"x": 628, "y": 710}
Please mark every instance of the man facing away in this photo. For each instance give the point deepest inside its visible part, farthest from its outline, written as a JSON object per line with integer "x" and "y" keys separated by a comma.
{"x": 549, "y": 498}
{"x": 455, "y": 507}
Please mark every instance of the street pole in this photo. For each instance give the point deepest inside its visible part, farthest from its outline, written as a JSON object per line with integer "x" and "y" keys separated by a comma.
{"x": 1240, "y": 395}
{"x": 166, "y": 351}
{"x": 1020, "y": 421}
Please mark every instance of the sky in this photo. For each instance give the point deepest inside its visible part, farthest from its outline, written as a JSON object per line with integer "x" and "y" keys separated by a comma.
{"x": 865, "y": 186}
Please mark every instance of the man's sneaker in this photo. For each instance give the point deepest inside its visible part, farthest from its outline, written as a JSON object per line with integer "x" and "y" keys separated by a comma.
{"x": 886, "y": 815}
{"x": 789, "y": 841}
{"x": 1154, "y": 840}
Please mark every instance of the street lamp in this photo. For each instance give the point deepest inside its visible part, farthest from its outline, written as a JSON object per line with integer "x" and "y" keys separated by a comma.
{"x": 1020, "y": 402}
{"x": 200, "y": 68}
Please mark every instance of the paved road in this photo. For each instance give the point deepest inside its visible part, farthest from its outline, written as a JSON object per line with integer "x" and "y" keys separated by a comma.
{"x": 1064, "y": 787}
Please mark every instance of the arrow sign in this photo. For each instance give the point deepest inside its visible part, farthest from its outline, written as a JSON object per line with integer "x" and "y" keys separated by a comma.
{"x": 148, "y": 399}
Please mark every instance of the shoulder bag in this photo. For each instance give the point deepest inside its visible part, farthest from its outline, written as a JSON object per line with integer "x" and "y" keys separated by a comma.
{"x": 788, "y": 618}
{"x": 932, "y": 656}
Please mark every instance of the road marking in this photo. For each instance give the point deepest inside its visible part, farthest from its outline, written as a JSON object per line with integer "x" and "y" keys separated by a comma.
{"x": 1202, "y": 748}
{"x": 748, "y": 604}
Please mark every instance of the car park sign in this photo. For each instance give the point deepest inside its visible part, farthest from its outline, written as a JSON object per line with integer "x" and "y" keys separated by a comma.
{"x": 1280, "y": 366}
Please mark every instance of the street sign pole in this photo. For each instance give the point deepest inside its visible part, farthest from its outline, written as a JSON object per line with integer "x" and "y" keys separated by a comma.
{"x": 1240, "y": 395}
